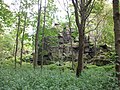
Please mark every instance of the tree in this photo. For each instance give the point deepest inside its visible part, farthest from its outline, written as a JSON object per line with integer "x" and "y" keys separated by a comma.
{"x": 116, "y": 18}
{"x": 83, "y": 9}
{"x": 6, "y": 40}
{"x": 100, "y": 24}
{"x": 43, "y": 35}
{"x": 17, "y": 34}
{"x": 6, "y": 16}
{"x": 37, "y": 34}
{"x": 23, "y": 34}
{"x": 70, "y": 28}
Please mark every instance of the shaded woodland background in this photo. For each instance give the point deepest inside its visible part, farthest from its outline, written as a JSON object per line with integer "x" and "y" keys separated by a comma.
{"x": 46, "y": 44}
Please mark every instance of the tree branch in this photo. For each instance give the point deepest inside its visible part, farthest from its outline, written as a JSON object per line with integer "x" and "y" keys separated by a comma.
{"x": 99, "y": 22}
{"x": 89, "y": 10}
{"x": 88, "y": 3}
{"x": 76, "y": 13}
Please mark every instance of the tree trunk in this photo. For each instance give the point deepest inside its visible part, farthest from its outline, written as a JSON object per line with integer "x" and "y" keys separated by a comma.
{"x": 116, "y": 18}
{"x": 17, "y": 35}
{"x": 37, "y": 35}
{"x": 22, "y": 41}
{"x": 81, "y": 48}
{"x": 16, "y": 48}
{"x": 43, "y": 43}
{"x": 71, "y": 39}
{"x": 82, "y": 11}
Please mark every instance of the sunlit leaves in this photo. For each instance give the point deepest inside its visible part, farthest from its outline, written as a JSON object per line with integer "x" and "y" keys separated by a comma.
{"x": 99, "y": 6}
{"x": 6, "y": 15}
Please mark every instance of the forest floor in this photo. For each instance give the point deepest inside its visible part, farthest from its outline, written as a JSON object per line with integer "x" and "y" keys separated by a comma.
{"x": 52, "y": 77}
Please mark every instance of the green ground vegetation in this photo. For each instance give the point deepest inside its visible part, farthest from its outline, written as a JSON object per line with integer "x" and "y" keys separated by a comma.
{"x": 53, "y": 77}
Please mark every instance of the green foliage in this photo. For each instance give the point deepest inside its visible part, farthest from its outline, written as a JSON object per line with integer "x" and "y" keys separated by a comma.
{"x": 51, "y": 32}
{"x": 6, "y": 16}
{"x": 6, "y": 46}
{"x": 92, "y": 66}
{"x": 111, "y": 56}
{"x": 108, "y": 35}
{"x": 26, "y": 78}
{"x": 109, "y": 67}
{"x": 52, "y": 77}
{"x": 52, "y": 67}
{"x": 6, "y": 40}
{"x": 98, "y": 6}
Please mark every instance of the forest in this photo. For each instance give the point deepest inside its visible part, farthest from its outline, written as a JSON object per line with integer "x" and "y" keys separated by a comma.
{"x": 59, "y": 45}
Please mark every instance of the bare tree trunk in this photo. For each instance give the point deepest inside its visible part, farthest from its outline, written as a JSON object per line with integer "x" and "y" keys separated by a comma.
{"x": 71, "y": 41}
{"x": 17, "y": 35}
{"x": 116, "y": 18}
{"x": 81, "y": 49}
{"x": 71, "y": 45}
{"x": 13, "y": 52}
{"x": 43, "y": 43}
{"x": 82, "y": 11}
{"x": 23, "y": 33}
{"x": 37, "y": 35}
{"x": 80, "y": 55}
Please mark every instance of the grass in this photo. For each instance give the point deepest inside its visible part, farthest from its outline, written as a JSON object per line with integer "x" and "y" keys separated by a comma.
{"x": 26, "y": 78}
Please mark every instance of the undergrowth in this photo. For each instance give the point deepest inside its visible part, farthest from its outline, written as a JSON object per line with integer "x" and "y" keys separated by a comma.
{"x": 26, "y": 78}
